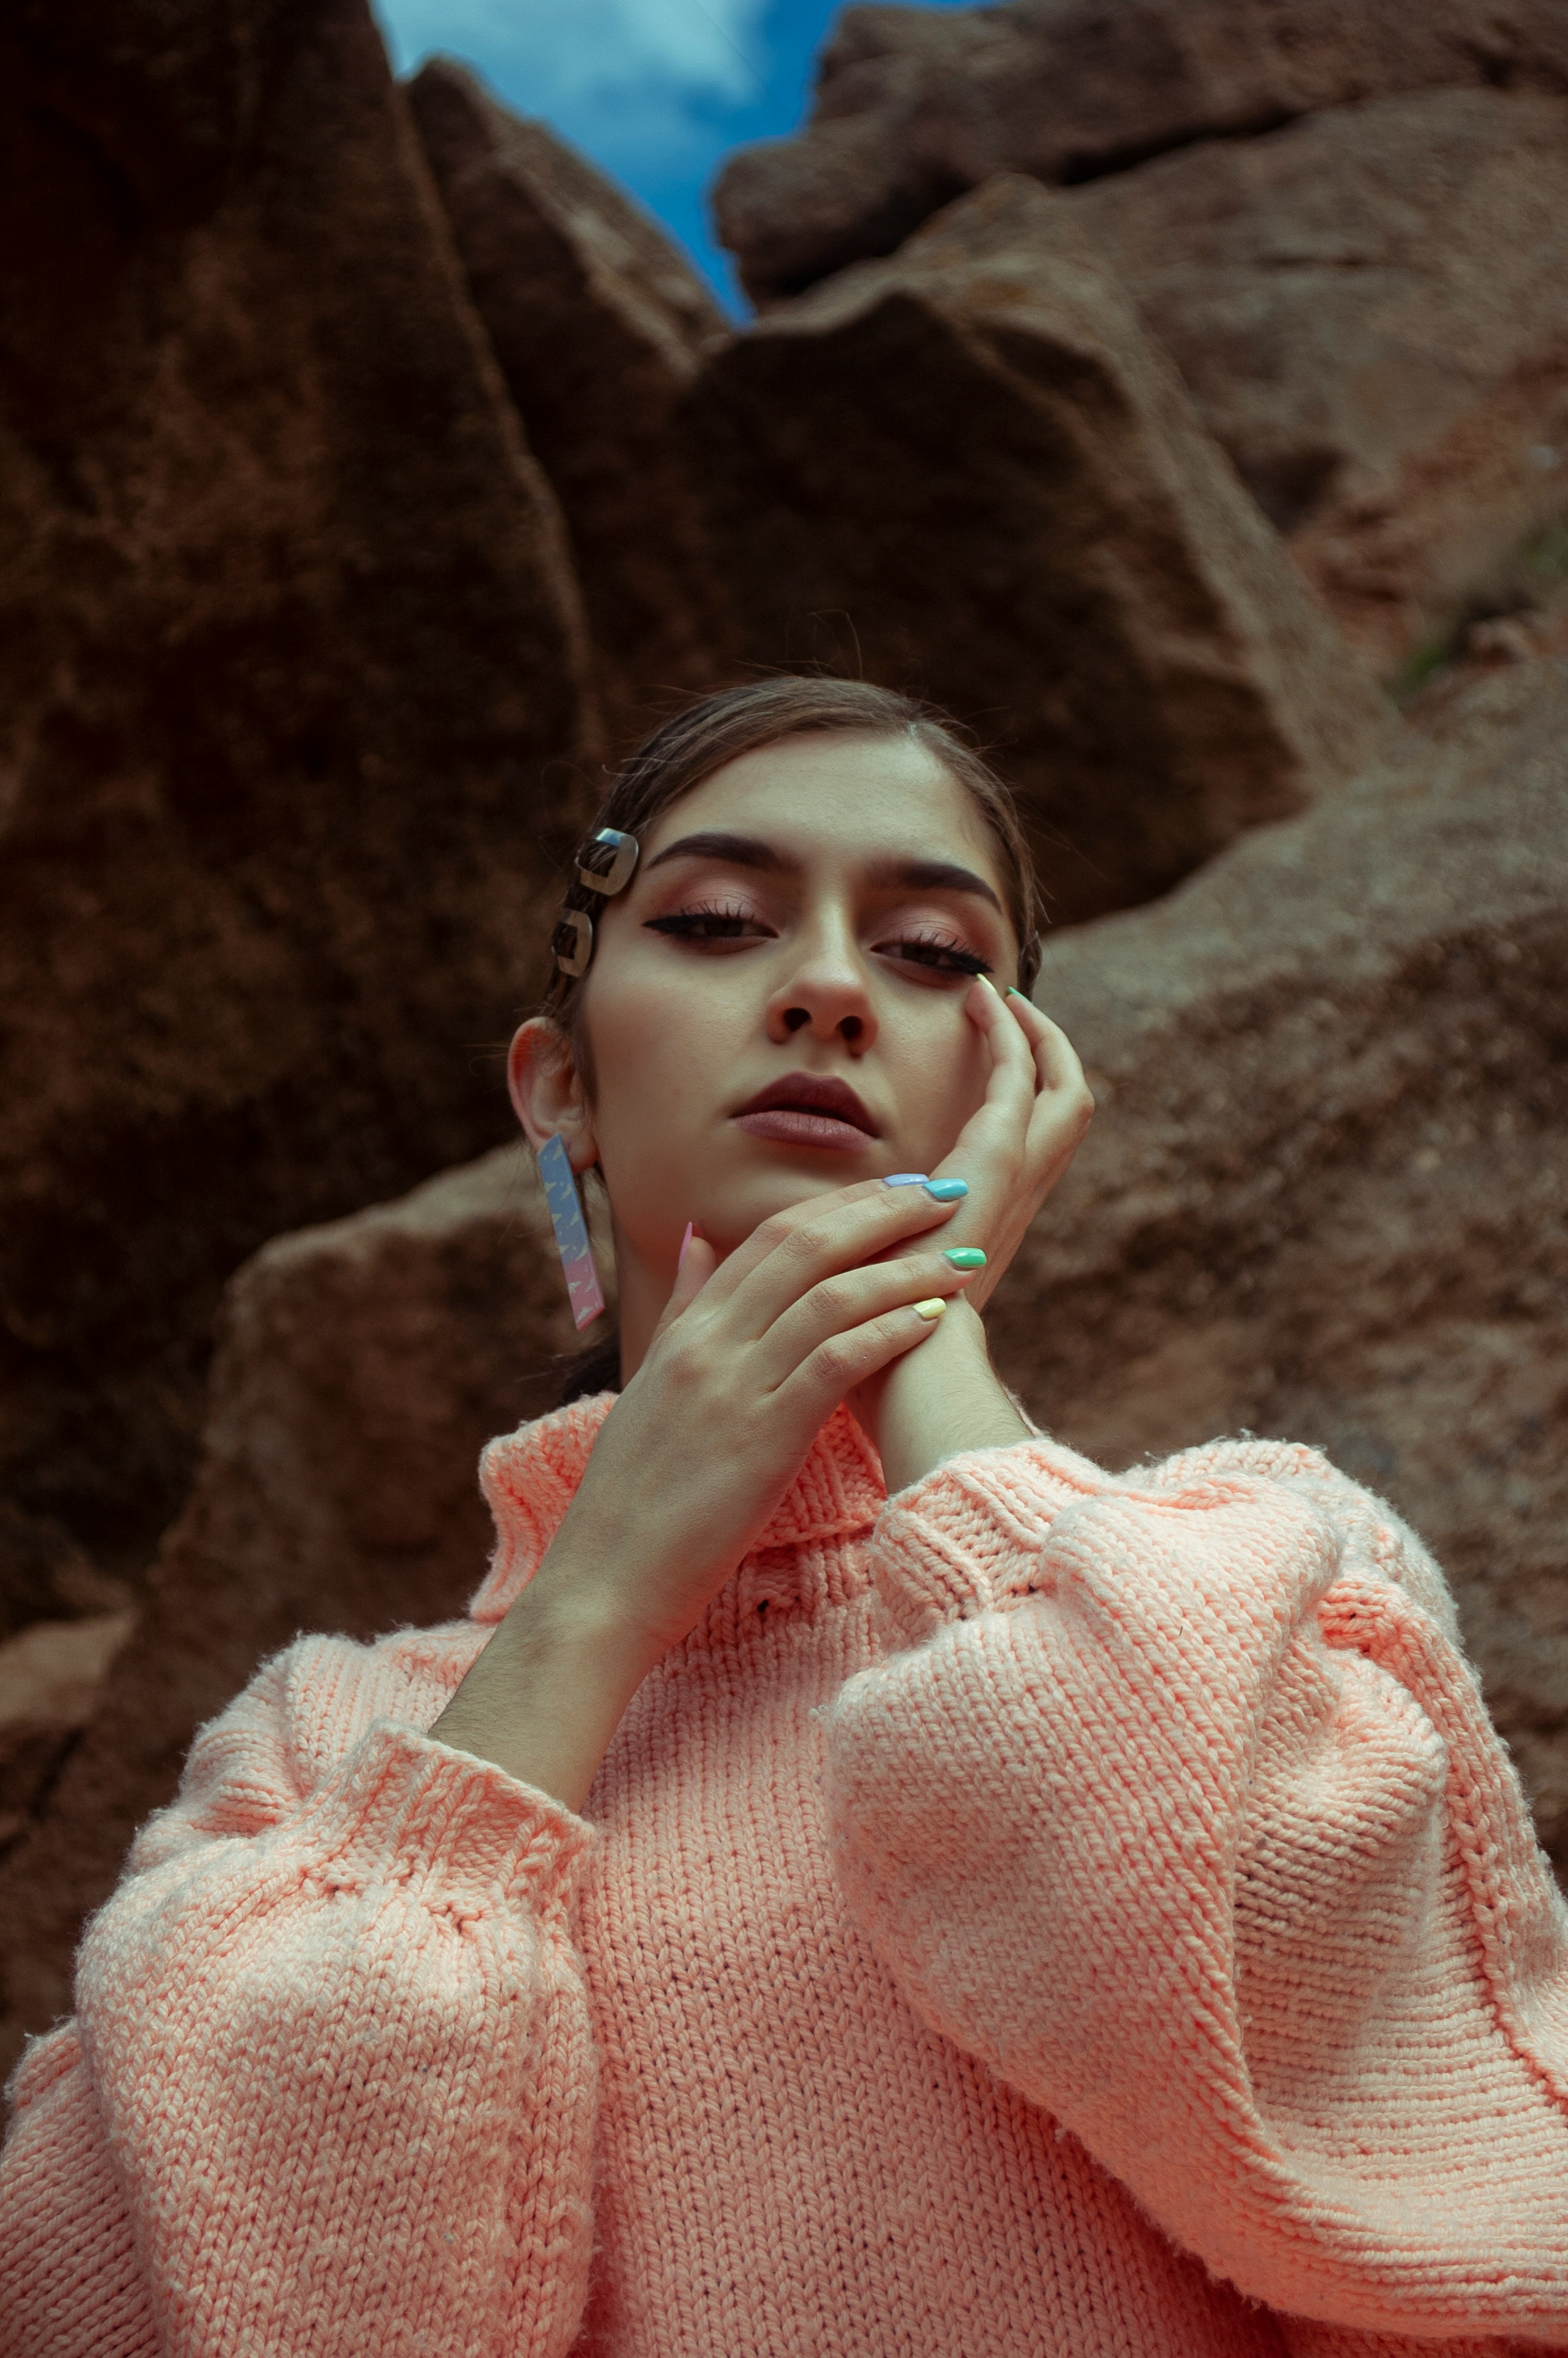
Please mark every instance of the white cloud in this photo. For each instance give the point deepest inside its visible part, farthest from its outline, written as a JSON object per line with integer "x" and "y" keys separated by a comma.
{"x": 557, "y": 57}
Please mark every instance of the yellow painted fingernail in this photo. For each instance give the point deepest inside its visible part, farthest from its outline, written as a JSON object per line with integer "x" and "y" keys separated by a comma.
{"x": 930, "y": 1311}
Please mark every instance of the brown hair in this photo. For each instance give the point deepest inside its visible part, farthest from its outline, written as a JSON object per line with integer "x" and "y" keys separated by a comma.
{"x": 691, "y": 746}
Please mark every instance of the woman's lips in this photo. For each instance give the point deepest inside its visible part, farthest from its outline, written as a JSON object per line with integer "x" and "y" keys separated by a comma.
{"x": 791, "y": 1126}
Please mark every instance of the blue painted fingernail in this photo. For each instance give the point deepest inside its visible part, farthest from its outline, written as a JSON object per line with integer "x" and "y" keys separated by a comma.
{"x": 905, "y": 1179}
{"x": 947, "y": 1191}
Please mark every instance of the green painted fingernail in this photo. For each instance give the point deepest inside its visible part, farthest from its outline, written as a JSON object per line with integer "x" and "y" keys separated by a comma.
{"x": 947, "y": 1191}
{"x": 1014, "y": 993}
{"x": 966, "y": 1257}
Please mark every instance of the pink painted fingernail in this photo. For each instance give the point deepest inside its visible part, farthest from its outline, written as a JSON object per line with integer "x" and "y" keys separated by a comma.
{"x": 685, "y": 1243}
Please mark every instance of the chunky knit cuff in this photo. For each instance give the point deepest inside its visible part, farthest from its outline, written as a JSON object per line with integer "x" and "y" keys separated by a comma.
{"x": 968, "y": 1538}
{"x": 456, "y": 1832}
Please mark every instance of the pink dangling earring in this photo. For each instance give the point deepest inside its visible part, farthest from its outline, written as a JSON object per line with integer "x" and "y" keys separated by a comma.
{"x": 583, "y": 1288}
{"x": 605, "y": 864}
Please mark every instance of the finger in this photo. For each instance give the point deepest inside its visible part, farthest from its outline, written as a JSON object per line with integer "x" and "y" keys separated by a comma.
{"x": 1014, "y": 1080}
{"x": 697, "y": 1262}
{"x": 827, "y": 1375}
{"x": 1055, "y": 1058}
{"x": 999, "y": 1123}
{"x": 767, "y": 1235}
{"x": 1065, "y": 1106}
{"x": 855, "y": 1296}
{"x": 798, "y": 1247}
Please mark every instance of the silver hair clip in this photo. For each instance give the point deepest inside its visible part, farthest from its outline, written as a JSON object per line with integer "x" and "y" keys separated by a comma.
{"x": 572, "y": 942}
{"x": 606, "y": 863}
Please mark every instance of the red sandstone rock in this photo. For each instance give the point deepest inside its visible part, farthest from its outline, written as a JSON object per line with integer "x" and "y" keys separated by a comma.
{"x": 362, "y": 1367}
{"x": 971, "y": 462}
{"x": 1472, "y": 522}
{"x": 1370, "y": 311}
{"x": 289, "y": 654}
{"x": 913, "y": 107}
{"x": 51, "y": 1678}
{"x": 598, "y": 325}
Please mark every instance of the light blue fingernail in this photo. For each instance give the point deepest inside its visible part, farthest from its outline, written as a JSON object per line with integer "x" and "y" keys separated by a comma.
{"x": 905, "y": 1179}
{"x": 947, "y": 1191}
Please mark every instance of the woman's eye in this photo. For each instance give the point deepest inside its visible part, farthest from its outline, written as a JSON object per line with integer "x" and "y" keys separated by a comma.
{"x": 707, "y": 924}
{"x": 941, "y": 957}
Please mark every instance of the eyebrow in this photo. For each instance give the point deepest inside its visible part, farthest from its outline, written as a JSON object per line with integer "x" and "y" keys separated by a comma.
{"x": 751, "y": 851}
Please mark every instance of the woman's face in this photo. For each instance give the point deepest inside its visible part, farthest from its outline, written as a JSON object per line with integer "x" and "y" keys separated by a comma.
{"x": 776, "y": 1007}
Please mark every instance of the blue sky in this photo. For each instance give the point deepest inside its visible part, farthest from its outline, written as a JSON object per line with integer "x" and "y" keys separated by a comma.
{"x": 656, "y": 92}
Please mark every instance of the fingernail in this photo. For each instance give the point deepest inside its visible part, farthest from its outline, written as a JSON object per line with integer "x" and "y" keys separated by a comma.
{"x": 947, "y": 1191}
{"x": 905, "y": 1179}
{"x": 966, "y": 1257}
{"x": 930, "y": 1311}
{"x": 1014, "y": 993}
{"x": 685, "y": 1244}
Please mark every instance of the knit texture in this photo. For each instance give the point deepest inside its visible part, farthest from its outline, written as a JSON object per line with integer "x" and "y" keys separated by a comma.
{"x": 1047, "y": 1915}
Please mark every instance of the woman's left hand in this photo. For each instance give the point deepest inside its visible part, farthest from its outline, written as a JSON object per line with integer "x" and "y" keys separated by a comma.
{"x": 1031, "y": 1124}
{"x": 1010, "y": 1153}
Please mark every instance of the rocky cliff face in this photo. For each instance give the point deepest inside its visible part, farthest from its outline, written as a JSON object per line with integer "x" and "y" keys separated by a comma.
{"x": 1346, "y": 225}
{"x": 913, "y": 107}
{"x": 1159, "y": 674}
{"x": 291, "y": 676}
{"x": 598, "y": 327}
{"x": 1144, "y": 382}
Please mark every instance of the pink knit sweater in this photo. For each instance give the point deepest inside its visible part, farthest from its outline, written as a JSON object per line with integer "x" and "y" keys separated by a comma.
{"x": 1049, "y": 1913}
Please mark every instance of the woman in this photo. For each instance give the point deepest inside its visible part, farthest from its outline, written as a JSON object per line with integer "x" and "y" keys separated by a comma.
{"x": 1044, "y": 1911}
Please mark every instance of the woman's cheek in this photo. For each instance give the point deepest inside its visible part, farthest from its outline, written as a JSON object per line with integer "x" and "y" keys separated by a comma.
{"x": 948, "y": 1080}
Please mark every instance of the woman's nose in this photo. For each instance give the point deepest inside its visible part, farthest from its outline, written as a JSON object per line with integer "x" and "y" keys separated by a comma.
{"x": 826, "y": 996}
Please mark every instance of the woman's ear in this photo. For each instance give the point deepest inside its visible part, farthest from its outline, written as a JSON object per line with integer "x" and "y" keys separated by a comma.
{"x": 546, "y": 1091}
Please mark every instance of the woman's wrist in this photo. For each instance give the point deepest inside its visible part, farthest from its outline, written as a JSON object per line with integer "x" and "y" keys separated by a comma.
{"x": 942, "y": 1400}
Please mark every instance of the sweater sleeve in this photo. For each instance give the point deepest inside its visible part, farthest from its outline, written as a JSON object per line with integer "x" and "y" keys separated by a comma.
{"x": 331, "y": 2084}
{"x": 1173, "y": 1799}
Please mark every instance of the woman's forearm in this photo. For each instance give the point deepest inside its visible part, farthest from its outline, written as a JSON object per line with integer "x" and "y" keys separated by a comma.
{"x": 548, "y": 1691}
{"x": 942, "y": 1399}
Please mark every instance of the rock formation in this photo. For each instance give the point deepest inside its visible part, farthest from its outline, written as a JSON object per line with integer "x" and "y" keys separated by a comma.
{"x": 972, "y": 463}
{"x": 1370, "y": 311}
{"x": 291, "y": 662}
{"x": 915, "y": 105}
{"x": 362, "y": 1367}
{"x": 599, "y": 324}
{"x": 52, "y": 1680}
{"x": 1368, "y": 303}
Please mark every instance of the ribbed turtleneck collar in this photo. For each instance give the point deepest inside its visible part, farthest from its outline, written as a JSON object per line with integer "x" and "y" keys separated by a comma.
{"x": 530, "y": 1478}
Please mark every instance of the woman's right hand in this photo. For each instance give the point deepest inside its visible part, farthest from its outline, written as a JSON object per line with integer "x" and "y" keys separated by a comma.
{"x": 750, "y": 1358}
